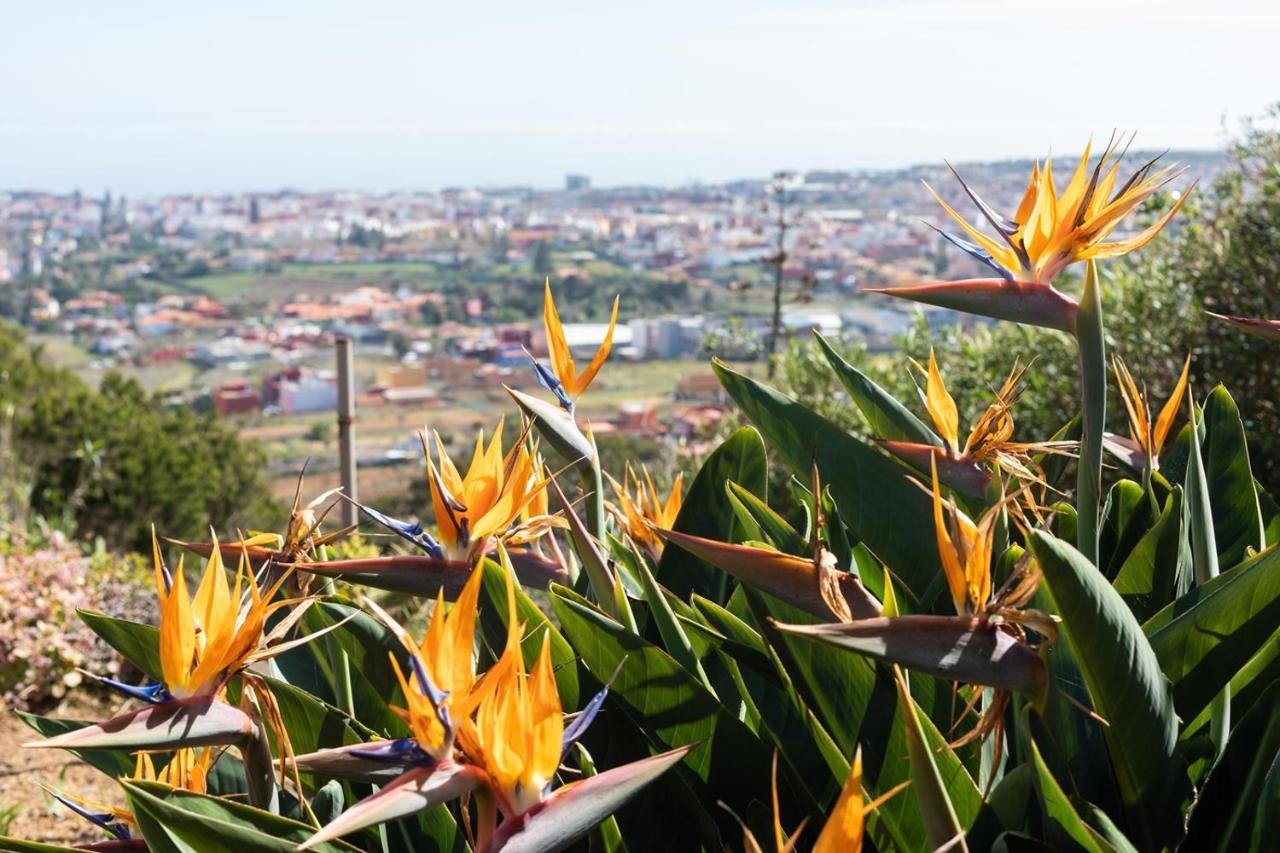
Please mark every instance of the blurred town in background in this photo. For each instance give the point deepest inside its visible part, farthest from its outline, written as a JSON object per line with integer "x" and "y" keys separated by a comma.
{"x": 232, "y": 303}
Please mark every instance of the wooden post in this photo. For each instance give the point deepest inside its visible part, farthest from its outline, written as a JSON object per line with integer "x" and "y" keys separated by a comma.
{"x": 347, "y": 429}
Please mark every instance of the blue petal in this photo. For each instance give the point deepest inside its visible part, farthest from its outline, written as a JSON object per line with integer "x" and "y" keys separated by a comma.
{"x": 411, "y": 532}
{"x": 403, "y": 750}
{"x": 105, "y": 820}
{"x": 580, "y": 723}
{"x": 435, "y": 694}
{"x": 975, "y": 251}
{"x": 547, "y": 379}
{"x": 152, "y": 694}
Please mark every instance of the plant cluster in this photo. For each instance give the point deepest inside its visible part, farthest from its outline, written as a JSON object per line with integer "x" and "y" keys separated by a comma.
{"x": 946, "y": 645}
{"x": 43, "y": 644}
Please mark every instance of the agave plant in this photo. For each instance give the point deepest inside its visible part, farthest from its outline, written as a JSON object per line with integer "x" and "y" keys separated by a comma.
{"x": 905, "y": 653}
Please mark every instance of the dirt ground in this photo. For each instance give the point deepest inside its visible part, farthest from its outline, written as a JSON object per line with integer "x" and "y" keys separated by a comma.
{"x": 39, "y": 816}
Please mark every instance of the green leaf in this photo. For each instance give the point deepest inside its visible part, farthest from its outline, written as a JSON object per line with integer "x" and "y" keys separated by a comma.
{"x": 668, "y": 703}
{"x": 1207, "y": 635}
{"x": 170, "y": 819}
{"x": 883, "y": 508}
{"x": 1065, "y": 826}
{"x": 605, "y": 837}
{"x": 138, "y": 643}
{"x": 1239, "y": 803}
{"x": 706, "y": 512}
{"x": 941, "y": 825}
{"x": 1126, "y": 516}
{"x": 367, "y": 644}
{"x": 1237, "y": 516}
{"x": 763, "y": 523}
{"x": 674, "y": 639}
{"x": 887, "y": 417}
{"x": 1149, "y": 577}
{"x": 857, "y": 703}
{"x": 1125, "y": 681}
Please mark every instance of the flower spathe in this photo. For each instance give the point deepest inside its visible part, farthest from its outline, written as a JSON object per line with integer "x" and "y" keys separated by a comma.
{"x": 1146, "y": 436}
{"x": 501, "y": 736}
{"x": 563, "y": 378}
{"x": 1048, "y": 231}
{"x": 209, "y": 637}
{"x": 501, "y": 497}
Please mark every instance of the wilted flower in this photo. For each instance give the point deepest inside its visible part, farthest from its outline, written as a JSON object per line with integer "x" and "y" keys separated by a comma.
{"x": 990, "y": 446}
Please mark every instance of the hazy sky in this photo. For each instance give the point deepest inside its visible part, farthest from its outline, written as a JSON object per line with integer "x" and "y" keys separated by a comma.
{"x": 162, "y": 96}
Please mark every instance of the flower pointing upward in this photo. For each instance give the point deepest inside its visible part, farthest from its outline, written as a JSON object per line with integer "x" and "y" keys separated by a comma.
{"x": 500, "y": 737}
{"x": 1048, "y": 232}
{"x": 562, "y": 378}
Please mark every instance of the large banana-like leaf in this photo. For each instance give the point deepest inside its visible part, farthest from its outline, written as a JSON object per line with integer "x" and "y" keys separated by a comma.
{"x": 857, "y": 702}
{"x": 1207, "y": 635}
{"x": 706, "y": 512}
{"x": 1149, "y": 576}
{"x": 1127, "y": 686}
{"x": 1060, "y": 817}
{"x": 882, "y": 507}
{"x": 668, "y": 703}
{"x": 138, "y": 643}
{"x": 311, "y": 723}
{"x": 570, "y": 812}
{"x": 887, "y": 418}
{"x": 356, "y": 654}
{"x": 175, "y": 820}
{"x": 1239, "y": 804}
{"x": 1233, "y": 497}
{"x": 941, "y": 825}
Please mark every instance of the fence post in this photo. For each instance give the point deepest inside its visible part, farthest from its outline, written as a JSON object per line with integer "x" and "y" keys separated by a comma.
{"x": 347, "y": 429}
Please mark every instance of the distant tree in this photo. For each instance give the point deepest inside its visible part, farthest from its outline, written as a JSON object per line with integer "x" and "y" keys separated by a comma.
{"x": 781, "y": 198}
{"x": 111, "y": 462}
{"x": 104, "y": 214}
{"x": 498, "y": 248}
{"x": 255, "y": 215}
{"x": 543, "y": 262}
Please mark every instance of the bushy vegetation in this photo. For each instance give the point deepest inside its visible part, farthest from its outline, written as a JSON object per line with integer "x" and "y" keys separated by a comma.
{"x": 112, "y": 461}
{"x": 43, "y": 643}
{"x": 947, "y": 645}
{"x": 1224, "y": 258}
